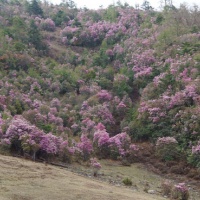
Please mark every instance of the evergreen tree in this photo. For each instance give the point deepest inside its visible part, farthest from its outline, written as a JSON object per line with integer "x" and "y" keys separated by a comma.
{"x": 146, "y": 6}
{"x": 34, "y": 8}
{"x": 60, "y": 17}
{"x": 35, "y": 37}
{"x": 69, "y": 3}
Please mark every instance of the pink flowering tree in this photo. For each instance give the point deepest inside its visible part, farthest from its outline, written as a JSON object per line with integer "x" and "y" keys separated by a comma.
{"x": 50, "y": 144}
{"x": 48, "y": 25}
{"x": 26, "y": 138}
{"x": 94, "y": 33}
{"x": 2, "y": 102}
{"x": 104, "y": 95}
{"x": 101, "y": 141}
{"x": 30, "y": 143}
{"x": 87, "y": 126}
{"x": 69, "y": 32}
{"x": 66, "y": 151}
{"x": 84, "y": 147}
{"x": 23, "y": 136}
{"x": 98, "y": 113}
{"x": 119, "y": 145}
{"x": 56, "y": 103}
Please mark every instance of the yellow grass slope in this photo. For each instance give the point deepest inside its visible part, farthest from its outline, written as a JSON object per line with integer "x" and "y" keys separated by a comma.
{"x": 25, "y": 180}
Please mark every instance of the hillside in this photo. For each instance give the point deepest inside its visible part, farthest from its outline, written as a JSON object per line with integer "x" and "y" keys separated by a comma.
{"x": 26, "y": 180}
{"x": 120, "y": 83}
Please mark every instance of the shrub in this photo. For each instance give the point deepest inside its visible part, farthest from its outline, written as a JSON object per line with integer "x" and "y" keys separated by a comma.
{"x": 180, "y": 191}
{"x": 127, "y": 182}
{"x": 48, "y": 25}
{"x": 194, "y": 157}
{"x": 95, "y": 165}
{"x": 101, "y": 143}
{"x": 167, "y": 148}
{"x": 119, "y": 145}
{"x": 60, "y": 17}
{"x": 166, "y": 187}
{"x": 133, "y": 153}
{"x": 85, "y": 147}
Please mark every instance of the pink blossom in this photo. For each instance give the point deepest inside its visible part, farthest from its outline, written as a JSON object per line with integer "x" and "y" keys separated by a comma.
{"x": 181, "y": 187}
{"x": 104, "y": 95}
{"x": 100, "y": 126}
{"x": 50, "y": 143}
{"x": 95, "y": 164}
{"x": 85, "y": 145}
{"x": 133, "y": 147}
{"x": 101, "y": 137}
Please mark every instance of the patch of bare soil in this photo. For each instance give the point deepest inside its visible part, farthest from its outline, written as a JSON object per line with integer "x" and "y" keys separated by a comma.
{"x": 26, "y": 180}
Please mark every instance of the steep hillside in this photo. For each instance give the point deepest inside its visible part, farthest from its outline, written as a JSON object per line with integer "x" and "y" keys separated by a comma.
{"x": 77, "y": 84}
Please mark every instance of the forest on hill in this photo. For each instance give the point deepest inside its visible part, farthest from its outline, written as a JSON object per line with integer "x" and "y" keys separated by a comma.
{"x": 77, "y": 83}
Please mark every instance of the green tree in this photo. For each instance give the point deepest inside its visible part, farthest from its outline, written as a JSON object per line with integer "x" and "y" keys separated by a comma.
{"x": 35, "y": 37}
{"x": 60, "y": 17}
{"x": 19, "y": 29}
{"x": 111, "y": 14}
{"x": 69, "y": 3}
{"x": 34, "y": 8}
{"x": 146, "y": 6}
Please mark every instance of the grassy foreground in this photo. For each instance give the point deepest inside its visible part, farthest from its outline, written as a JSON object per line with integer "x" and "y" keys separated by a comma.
{"x": 25, "y": 180}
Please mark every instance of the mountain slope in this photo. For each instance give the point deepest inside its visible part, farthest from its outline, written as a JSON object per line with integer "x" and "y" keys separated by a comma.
{"x": 25, "y": 180}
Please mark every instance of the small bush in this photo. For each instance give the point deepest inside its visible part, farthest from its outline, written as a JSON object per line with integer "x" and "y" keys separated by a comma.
{"x": 194, "y": 157}
{"x": 125, "y": 162}
{"x": 177, "y": 169}
{"x": 180, "y": 192}
{"x": 166, "y": 187}
{"x": 193, "y": 173}
{"x": 167, "y": 148}
{"x": 48, "y": 25}
{"x": 95, "y": 165}
{"x": 127, "y": 182}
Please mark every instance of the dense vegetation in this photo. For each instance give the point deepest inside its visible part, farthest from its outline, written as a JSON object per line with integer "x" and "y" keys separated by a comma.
{"x": 75, "y": 83}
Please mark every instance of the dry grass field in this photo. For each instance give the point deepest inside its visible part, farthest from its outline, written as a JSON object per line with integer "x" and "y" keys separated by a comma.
{"x": 25, "y": 180}
{"x": 22, "y": 179}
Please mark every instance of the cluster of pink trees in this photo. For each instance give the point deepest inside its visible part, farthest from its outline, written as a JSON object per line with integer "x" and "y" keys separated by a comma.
{"x": 119, "y": 74}
{"x": 94, "y": 32}
{"x": 21, "y": 135}
{"x": 176, "y": 96}
{"x": 27, "y": 138}
{"x": 116, "y": 146}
